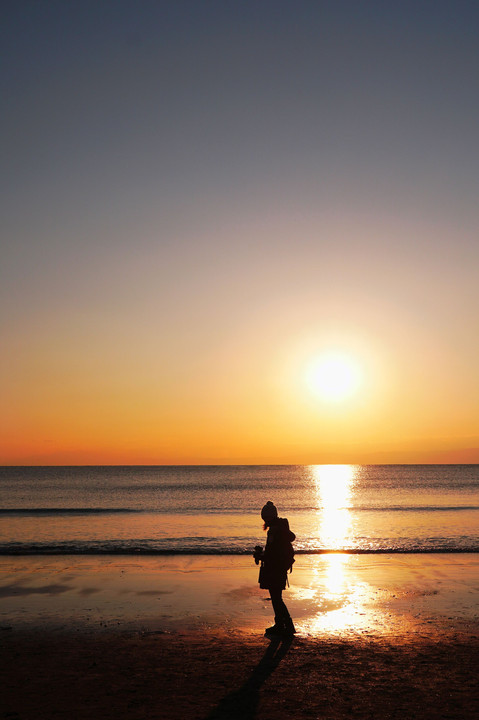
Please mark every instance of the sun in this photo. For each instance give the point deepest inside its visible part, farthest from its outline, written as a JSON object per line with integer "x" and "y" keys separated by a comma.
{"x": 333, "y": 376}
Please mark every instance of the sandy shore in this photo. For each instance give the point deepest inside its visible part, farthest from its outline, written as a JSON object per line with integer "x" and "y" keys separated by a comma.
{"x": 115, "y": 675}
{"x": 379, "y": 637}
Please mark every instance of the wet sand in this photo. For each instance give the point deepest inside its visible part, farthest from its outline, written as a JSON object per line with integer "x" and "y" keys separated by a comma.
{"x": 379, "y": 637}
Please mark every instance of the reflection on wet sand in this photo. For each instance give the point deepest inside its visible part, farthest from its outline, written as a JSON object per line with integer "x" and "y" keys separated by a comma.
{"x": 337, "y": 600}
{"x": 20, "y": 590}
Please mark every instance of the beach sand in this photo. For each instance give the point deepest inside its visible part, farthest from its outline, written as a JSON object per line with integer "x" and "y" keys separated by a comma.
{"x": 182, "y": 637}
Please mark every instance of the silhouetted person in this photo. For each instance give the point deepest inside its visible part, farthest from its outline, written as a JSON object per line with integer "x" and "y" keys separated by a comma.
{"x": 276, "y": 559}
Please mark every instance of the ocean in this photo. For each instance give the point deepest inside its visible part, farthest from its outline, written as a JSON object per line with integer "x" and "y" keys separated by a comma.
{"x": 216, "y": 509}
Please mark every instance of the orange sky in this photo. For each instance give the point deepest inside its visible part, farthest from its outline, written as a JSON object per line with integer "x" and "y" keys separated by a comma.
{"x": 240, "y": 398}
{"x": 197, "y": 206}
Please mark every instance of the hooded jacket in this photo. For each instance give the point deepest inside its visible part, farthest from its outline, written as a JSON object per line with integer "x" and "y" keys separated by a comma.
{"x": 277, "y": 556}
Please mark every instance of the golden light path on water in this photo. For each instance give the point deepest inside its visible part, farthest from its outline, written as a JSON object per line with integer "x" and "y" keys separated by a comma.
{"x": 337, "y": 599}
{"x": 333, "y": 485}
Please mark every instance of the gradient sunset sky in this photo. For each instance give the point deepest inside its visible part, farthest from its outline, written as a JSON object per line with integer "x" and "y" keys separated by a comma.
{"x": 201, "y": 199}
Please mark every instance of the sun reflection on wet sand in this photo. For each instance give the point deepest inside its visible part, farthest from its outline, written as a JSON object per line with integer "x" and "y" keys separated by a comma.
{"x": 335, "y": 578}
{"x": 338, "y": 598}
{"x": 335, "y": 600}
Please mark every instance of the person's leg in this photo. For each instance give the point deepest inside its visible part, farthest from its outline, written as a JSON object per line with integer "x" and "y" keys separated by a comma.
{"x": 282, "y": 618}
{"x": 276, "y": 602}
{"x": 281, "y": 613}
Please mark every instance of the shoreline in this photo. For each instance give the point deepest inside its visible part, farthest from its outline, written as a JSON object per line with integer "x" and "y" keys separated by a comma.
{"x": 134, "y": 552}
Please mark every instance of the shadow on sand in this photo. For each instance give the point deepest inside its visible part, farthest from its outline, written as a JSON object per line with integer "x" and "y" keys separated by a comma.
{"x": 242, "y": 704}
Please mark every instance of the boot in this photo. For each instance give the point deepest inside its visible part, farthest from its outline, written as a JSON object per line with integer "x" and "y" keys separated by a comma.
{"x": 275, "y": 629}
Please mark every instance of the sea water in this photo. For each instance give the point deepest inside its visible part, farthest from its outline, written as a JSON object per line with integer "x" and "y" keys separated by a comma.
{"x": 216, "y": 510}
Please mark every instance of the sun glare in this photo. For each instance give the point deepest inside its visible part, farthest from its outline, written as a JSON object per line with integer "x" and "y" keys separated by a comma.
{"x": 333, "y": 377}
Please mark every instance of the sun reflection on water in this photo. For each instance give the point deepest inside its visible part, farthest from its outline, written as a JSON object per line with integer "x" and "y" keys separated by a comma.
{"x": 334, "y": 485}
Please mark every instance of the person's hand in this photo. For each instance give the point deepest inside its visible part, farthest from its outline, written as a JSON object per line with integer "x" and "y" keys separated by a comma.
{"x": 258, "y": 554}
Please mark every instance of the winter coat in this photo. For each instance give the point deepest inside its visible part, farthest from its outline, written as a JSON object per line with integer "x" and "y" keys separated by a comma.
{"x": 275, "y": 564}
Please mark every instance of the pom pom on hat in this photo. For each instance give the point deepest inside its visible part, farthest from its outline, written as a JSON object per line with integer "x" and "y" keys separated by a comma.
{"x": 269, "y": 511}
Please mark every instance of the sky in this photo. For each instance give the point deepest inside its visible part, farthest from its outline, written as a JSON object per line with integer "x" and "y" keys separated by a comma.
{"x": 201, "y": 201}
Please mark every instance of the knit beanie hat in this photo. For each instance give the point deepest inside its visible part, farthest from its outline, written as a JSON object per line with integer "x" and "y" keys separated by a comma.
{"x": 269, "y": 511}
